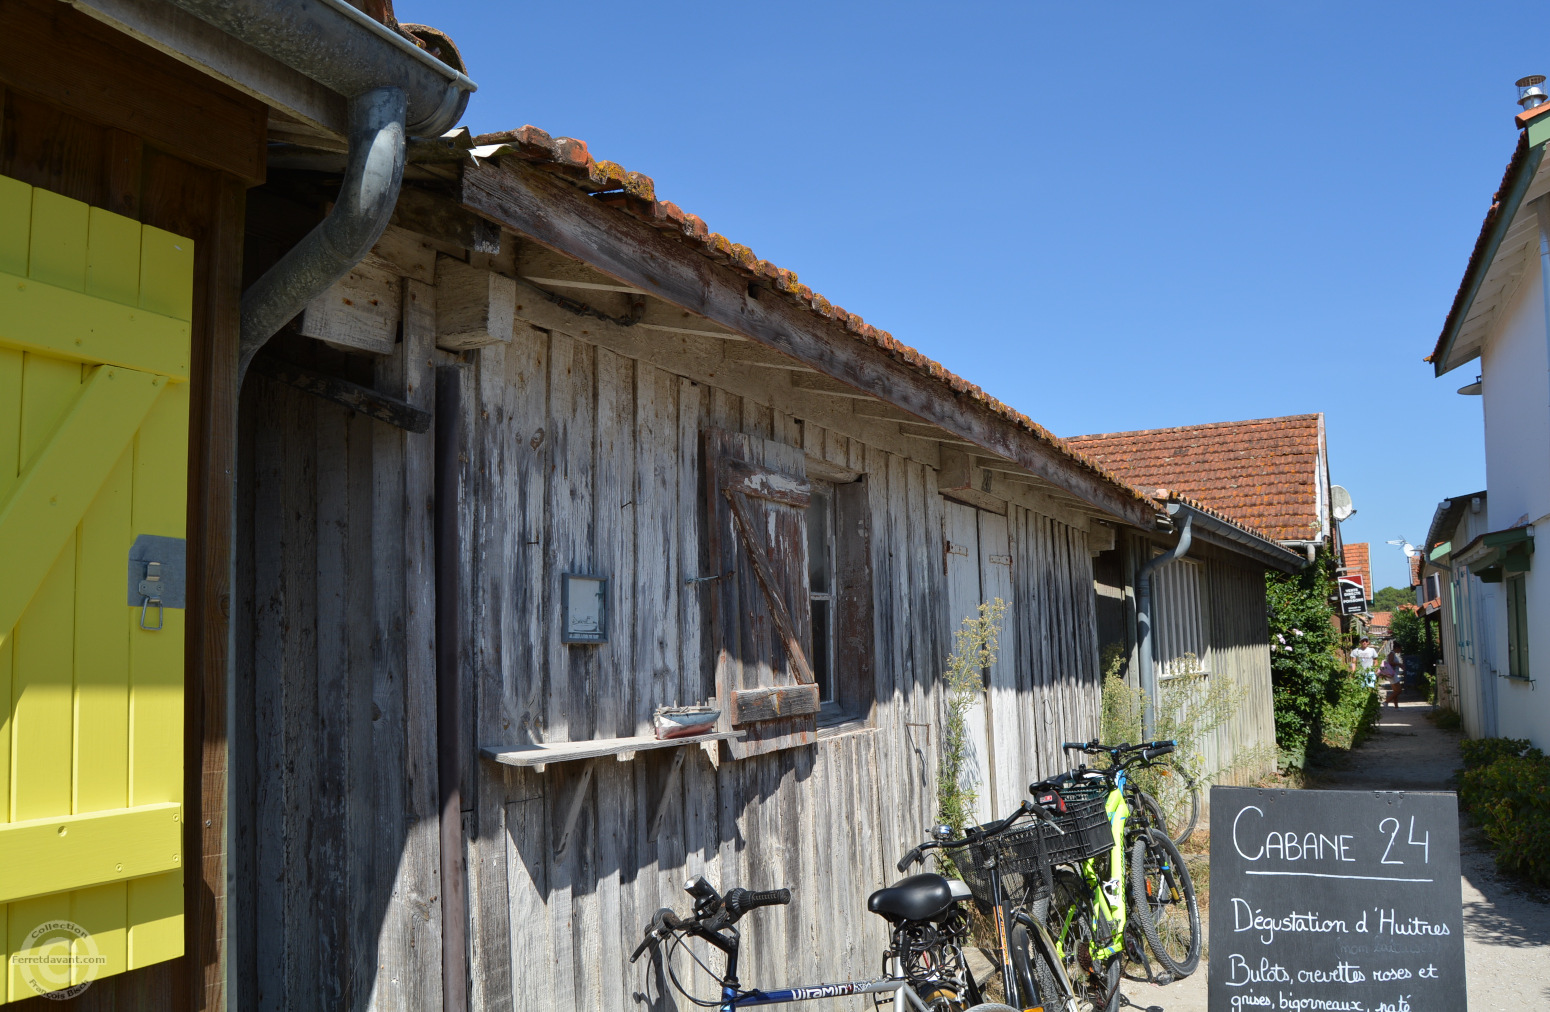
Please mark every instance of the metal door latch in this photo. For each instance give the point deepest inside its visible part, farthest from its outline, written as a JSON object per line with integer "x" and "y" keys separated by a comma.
{"x": 157, "y": 577}
{"x": 150, "y": 593}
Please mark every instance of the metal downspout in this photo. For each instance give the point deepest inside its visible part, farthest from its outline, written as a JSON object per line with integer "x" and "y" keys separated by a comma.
{"x": 1144, "y": 625}
{"x": 373, "y": 173}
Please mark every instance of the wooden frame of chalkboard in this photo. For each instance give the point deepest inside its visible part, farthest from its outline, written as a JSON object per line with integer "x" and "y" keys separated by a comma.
{"x": 1335, "y": 901}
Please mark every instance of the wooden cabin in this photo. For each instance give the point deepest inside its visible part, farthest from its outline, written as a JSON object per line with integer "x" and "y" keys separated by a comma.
{"x": 552, "y": 457}
{"x": 792, "y": 513}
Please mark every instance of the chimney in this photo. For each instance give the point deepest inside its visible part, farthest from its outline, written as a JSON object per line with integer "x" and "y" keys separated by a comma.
{"x": 1530, "y": 94}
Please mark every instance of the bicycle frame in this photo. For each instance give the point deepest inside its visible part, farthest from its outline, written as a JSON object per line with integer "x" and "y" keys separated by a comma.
{"x": 903, "y": 995}
{"x": 1108, "y": 909}
{"x": 734, "y": 997}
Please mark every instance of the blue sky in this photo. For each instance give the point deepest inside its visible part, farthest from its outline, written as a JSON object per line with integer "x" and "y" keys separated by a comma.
{"x": 1110, "y": 216}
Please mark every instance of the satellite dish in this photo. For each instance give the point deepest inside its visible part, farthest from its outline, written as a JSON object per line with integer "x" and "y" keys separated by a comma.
{"x": 1340, "y": 502}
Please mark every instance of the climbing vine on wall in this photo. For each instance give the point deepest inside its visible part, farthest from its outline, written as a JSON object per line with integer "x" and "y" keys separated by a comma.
{"x": 1304, "y": 663}
{"x": 974, "y": 649}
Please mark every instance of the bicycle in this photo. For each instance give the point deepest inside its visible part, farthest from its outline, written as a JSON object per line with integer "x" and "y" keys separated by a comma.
{"x": 1143, "y": 856}
{"x": 995, "y": 860}
{"x": 924, "y": 969}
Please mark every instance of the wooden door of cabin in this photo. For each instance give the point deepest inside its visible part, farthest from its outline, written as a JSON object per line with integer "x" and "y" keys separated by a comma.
{"x": 979, "y": 569}
{"x": 95, "y": 313}
{"x": 961, "y": 542}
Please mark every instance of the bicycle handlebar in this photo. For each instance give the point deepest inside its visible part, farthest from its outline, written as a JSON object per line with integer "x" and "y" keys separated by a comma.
{"x": 978, "y": 834}
{"x": 712, "y": 912}
{"x": 739, "y": 901}
{"x": 662, "y": 922}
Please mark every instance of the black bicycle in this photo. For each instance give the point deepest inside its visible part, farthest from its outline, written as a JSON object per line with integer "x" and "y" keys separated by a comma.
{"x": 924, "y": 968}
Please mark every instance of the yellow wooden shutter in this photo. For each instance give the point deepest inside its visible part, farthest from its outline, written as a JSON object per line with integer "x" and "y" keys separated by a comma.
{"x": 95, "y": 313}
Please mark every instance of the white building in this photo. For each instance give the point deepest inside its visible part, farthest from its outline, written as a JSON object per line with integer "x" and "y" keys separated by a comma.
{"x": 1501, "y": 317}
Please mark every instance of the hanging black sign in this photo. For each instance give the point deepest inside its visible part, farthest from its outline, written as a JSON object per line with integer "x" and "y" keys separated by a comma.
{"x": 1337, "y": 901}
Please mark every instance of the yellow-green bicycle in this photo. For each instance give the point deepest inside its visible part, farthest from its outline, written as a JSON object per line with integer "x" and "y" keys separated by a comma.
{"x": 1135, "y": 895}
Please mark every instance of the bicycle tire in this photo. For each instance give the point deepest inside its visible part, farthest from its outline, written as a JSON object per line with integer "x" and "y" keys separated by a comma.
{"x": 1036, "y": 978}
{"x": 1069, "y": 920}
{"x": 1186, "y": 827}
{"x": 1159, "y": 887}
{"x": 991, "y": 1007}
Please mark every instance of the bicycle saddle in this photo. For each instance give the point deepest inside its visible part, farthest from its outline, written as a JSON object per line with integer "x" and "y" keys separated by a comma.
{"x": 917, "y": 898}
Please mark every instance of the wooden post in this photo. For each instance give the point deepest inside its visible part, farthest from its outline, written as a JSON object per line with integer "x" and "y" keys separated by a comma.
{"x": 449, "y": 693}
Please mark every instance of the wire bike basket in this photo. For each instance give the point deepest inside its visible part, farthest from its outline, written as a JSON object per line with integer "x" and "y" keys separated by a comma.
{"x": 1025, "y": 855}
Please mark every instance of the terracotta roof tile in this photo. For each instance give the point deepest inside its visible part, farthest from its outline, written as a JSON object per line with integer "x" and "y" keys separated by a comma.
{"x": 1262, "y": 473}
{"x": 1357, "y": 560}
{"x": 572, "y": 160}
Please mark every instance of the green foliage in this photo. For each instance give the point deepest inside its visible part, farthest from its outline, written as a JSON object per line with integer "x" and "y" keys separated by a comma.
{"x": 1478, "y": 752}
{"x": 1390, "y": 598}
{"x": 1506, "y": 787}
{"x": 1408, "y": 629}
{"x": 1447, "y": 718}
{"x": 1351, "y": 714}
{"x": 974, "y": 649}
{"x": 1304, "y": 666}
{"x": 1189, "y": 710}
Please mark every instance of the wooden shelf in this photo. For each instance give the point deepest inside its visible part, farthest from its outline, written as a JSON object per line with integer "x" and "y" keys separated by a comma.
{"x": 536, "y": 757}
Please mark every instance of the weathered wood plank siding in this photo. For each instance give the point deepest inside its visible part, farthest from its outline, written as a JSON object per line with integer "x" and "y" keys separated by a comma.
{"x": 583, "y": 459}
{"x": 596, "y": 458}
{"x": 1240, "y": 630}
{"x": 335, "y": 805}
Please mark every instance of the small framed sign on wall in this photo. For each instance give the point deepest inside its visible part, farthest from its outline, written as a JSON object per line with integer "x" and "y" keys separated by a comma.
{"x": 583, "y": 608}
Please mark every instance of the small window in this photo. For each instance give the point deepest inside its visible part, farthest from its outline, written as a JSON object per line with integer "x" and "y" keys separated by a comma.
{"x": 839, "y": 570}
{"x": 1178, "y": 619}
{"x": 820, "y": 584}
{"x": 1517, "y": 626}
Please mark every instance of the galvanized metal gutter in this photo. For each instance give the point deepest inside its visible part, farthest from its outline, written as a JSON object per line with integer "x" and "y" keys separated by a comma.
{"x": 346, "y": 51}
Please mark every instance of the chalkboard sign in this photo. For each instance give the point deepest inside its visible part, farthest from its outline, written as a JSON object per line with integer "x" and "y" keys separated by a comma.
{"x": 1335, "y": 900}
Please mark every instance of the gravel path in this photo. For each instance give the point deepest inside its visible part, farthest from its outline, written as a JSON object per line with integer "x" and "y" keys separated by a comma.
{"x": 1506, "y": 931}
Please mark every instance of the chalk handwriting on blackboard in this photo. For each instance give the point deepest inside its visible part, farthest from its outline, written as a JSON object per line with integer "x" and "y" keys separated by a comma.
{"x": 1335, "y": 901}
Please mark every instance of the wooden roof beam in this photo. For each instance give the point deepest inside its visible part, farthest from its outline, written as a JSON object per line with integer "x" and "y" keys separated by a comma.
{"x": 552, "y": 212}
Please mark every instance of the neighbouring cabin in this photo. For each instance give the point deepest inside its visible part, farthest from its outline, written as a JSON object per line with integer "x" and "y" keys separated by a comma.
{"x": 647, "y": 509}
{"x": 1210, "y": 631}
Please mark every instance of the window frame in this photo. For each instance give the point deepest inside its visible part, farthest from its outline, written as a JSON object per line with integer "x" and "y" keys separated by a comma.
{"x": 850, "y": 641}
{"x": 1516, "y": 591}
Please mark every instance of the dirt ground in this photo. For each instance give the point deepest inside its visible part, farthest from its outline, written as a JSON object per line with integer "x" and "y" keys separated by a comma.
{"x": 1506, "y": 930}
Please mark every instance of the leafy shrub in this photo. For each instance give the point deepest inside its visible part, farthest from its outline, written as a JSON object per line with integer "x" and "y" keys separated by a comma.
{"x": 1189, "y": 710}
{"x": 1479, "y": 752}
{"x": 1349, "y": 716}
{"x": 1510, "y": 797}
{"x": 1304, "y": 665}
{"x": 1448, "y": 719}
{"x": 974, "y": 649}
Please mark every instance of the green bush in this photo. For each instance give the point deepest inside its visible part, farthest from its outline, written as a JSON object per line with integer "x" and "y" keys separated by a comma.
{"x": 1479, "y": 752}
{"x": 1509, "y": 796}
{"x": 1350, "y": 714}
{"x": 1448, "y": 719}
{"x": 1304, "y": 665}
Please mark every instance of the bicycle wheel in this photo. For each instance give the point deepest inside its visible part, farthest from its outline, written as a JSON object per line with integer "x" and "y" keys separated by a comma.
{"x": 1177, "y": 811}
{"x": 1162, "y": 900}
{"x": 1069, "y": 920}
{"x": 1036, "y": 978}
{"x": 991, "y": 1007}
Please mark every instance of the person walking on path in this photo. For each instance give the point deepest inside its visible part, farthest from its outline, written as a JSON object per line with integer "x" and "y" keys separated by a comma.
{"x": 1362, "y": 659}
{"x": 1394, "y": 671}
